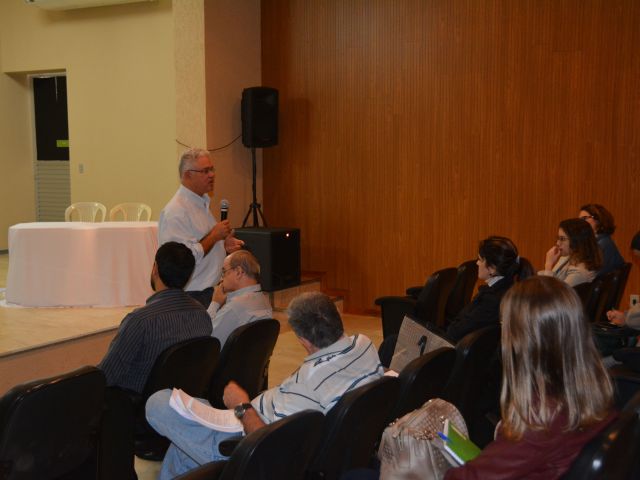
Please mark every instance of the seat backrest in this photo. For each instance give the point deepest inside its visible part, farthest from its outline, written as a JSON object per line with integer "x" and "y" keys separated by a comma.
{"x": 352, "y": 428}
{"x": 279, "y": 450}
{"x": 613, "y": 285}
{"x": 244, "y": 359}
{"x": 614, "y": 454}
{"x": 591, "y": 296}
{"x": 473, "y": 369}
{"x": 622, "y": 284}
{"x": 85, "y": 212}
{"x": 131, "y": 212}
{"x": 460, "y": 295}
{"x": 617, "y": 280}
{"x": 392, "y": 313}
{"x": 583, "y": 290}
{"x": 625, "y": 378}
{"x": 49, "y": 427}
{"x": 422, "y": 379}
{"x": 282, "y": 449}
{"x": 187, "y": 365}
{"x": 432, "y": 300}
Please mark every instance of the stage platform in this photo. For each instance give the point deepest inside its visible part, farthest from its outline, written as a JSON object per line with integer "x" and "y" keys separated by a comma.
{"x": 40, "y": 342}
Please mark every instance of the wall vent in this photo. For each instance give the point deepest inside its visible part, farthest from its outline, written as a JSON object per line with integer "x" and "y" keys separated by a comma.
{"x": 74, "y": 4}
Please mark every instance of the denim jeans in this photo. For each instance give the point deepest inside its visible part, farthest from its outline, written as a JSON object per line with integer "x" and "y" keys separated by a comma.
{"x": 192, "y": 444}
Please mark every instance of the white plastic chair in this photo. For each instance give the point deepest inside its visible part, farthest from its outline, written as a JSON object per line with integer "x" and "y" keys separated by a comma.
{"x": 132, "y": 212}
{"x": 86, "y": 212}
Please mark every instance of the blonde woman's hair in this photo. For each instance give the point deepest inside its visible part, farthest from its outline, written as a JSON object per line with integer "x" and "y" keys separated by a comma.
{"x": 550, "y": 362}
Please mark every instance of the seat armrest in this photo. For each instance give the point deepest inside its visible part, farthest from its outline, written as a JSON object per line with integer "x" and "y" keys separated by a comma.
{"x": 629, "y": 357}
{"x": 208, "y": 471}
{"x": 227, "y": 446}
{"x": 393, "y": 310}
{"x": 135, "y": 397}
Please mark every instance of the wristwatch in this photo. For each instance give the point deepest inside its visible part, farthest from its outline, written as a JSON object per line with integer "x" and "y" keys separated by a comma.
{"x": 241, "y": 409}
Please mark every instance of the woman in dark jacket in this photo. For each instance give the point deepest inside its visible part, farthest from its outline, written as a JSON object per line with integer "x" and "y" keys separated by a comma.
{"x": 499, "y": 266}
{"x": 556, "y": 393}
{"x": 603, "y": 226}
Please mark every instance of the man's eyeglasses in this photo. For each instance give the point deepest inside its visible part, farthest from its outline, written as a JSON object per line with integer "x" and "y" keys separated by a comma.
{"x": 225, "y": 270}
{"x": 586, "y": 217}
{"x": 206, "y": 171}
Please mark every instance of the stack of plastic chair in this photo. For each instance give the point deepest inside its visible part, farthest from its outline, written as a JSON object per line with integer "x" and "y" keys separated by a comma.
{"x": 85, "y": 212}
{"x": 131, "y": 212}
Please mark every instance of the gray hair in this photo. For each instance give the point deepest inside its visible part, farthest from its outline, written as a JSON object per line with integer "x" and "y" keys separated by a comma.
{"x": 314, "y": 317}
{"x": 247, "y": 263}
{"x": 188, "y": 159}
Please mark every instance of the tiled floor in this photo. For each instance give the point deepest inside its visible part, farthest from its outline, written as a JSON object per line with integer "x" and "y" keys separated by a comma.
{"x": 25, "y": 328}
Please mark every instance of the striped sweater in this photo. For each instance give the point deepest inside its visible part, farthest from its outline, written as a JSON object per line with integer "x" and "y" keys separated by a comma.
{"x": 322, "y": 379}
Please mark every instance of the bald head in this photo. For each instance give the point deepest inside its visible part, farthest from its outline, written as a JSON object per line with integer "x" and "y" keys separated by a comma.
{"x": 245, "y": 261}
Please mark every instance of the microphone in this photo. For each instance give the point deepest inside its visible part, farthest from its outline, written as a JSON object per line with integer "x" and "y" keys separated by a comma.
{"x": 224, "y": 209}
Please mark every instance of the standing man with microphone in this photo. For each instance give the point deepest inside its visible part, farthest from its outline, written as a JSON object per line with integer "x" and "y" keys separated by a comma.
{"x": 187, "y": 219}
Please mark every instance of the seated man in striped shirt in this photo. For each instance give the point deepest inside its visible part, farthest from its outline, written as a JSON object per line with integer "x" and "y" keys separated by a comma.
{"x": 335, "y": 364}
{"x": 170, "y": 316}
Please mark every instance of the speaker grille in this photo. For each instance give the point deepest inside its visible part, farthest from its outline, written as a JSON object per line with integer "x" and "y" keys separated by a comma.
{"x": 259, "y": 111}
{"x": 277, "y": 251}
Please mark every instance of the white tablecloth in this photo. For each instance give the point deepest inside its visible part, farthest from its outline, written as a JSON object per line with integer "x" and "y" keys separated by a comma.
{"x": 80, "y": 264}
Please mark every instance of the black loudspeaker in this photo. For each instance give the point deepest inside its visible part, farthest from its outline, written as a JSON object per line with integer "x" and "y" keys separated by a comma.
{"x": 259, "y": 117}
{"x": 278, "y": 251}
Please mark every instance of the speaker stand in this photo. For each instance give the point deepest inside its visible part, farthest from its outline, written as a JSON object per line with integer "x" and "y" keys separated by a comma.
{"x": 254, "y": 208}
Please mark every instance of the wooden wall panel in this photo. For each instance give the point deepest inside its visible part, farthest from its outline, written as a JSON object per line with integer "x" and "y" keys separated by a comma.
{"x": 410, "y": 129}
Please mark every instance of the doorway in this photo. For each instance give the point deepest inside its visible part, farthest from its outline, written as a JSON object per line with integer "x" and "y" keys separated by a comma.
{"x": 52, "y": 174}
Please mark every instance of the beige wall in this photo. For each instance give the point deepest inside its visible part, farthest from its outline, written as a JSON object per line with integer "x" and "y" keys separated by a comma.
{"x": 137, "y": 82}
{"x": 226, "y": 35}
{"x": 121, "y": 98}
{"x": 16, "y": 190}
{"x": 191, "y": 111}
{"x": 232, "y": 40}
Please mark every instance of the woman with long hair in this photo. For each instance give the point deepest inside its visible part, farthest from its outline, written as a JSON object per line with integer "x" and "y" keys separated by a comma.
{"x": 603, "y": 226}
{"x": 556, "y": 394}
{"x": 499, "y": 266}
{"x": 576, "y": 257}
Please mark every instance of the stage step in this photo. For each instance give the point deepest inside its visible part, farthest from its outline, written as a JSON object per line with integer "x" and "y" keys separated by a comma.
{"x": 309, "y": 282}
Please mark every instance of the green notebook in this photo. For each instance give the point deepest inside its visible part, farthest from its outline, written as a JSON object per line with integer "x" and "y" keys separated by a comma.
{"x": 457, "y": 445}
